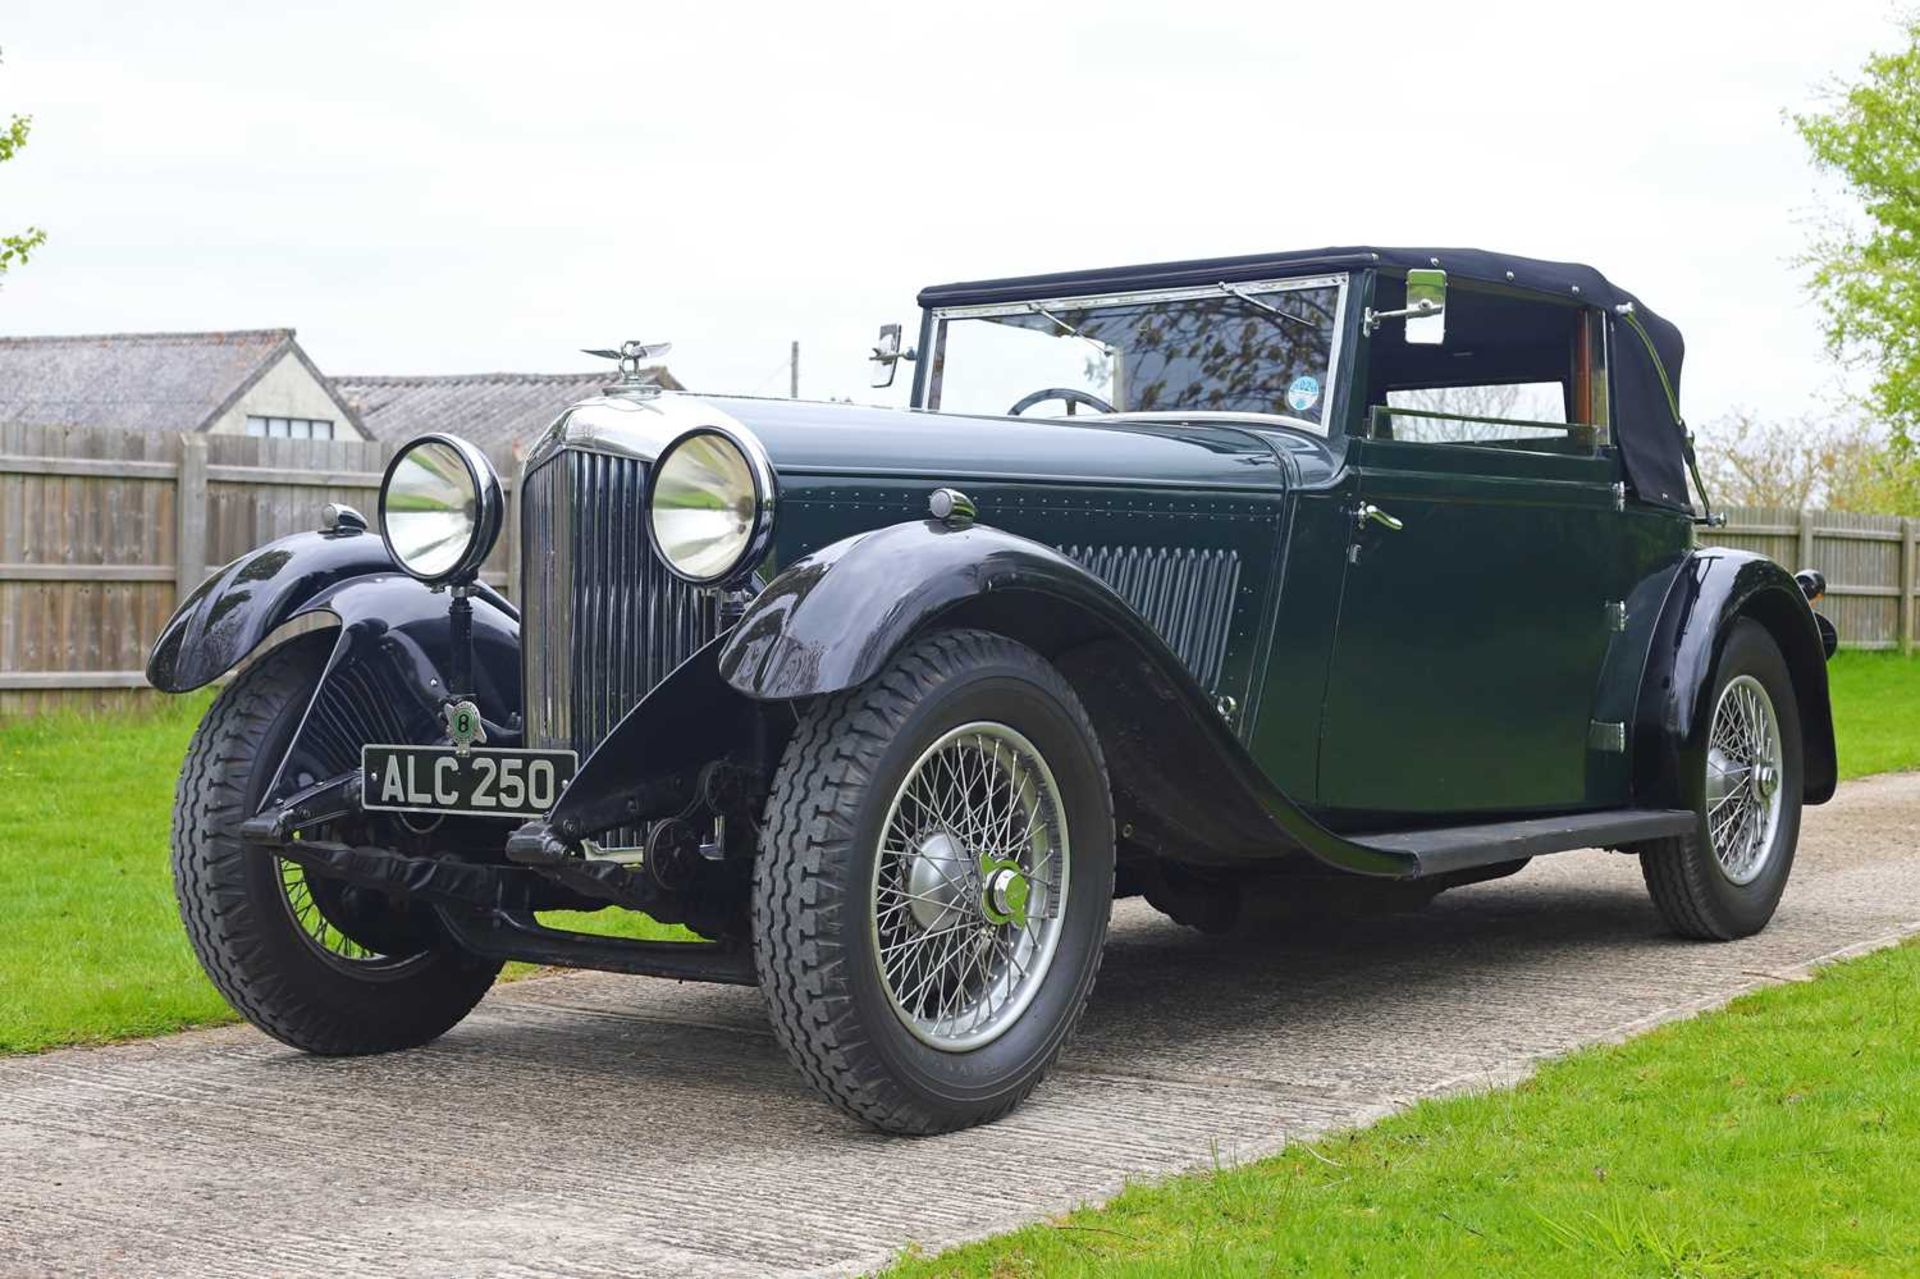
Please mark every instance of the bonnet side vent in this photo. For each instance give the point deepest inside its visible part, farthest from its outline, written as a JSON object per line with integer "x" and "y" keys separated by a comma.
{"x": 1185, "y": 595}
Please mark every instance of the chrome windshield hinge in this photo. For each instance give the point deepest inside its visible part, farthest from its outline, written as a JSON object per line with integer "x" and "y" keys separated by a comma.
{"x": 1620, "y": 496}
{"x": 1616, "y": 615}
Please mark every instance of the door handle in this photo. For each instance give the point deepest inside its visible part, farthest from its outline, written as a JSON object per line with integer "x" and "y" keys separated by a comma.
{"x": 1367, "y": 513}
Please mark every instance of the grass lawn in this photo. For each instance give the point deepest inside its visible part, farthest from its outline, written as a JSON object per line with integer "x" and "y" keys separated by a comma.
{"x": 1876, "y": 711}
{"x": 1780, "y": 1136}
{"x": 91, "y": 947}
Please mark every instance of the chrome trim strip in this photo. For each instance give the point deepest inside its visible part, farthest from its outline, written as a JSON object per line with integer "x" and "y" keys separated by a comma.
{"x": 1186, "y": 293}
{"x": 938, "y": 317}
{"x": 936, "y": 478}
{"x": 1200, "y": 417}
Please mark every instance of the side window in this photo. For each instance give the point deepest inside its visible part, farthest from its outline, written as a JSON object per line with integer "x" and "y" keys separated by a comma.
{"x": 1478, "y": 414}
{"x": 1515, "y": 372}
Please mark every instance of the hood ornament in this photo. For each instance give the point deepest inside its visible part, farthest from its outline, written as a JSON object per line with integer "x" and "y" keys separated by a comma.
{"x": 639, "y": 366}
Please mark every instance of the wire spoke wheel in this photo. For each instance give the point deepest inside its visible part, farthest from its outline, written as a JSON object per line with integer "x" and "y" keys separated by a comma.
{"x": 914, "y": 940}
{"x": 1744, "y": 771}
{"x": 970, "y": 885}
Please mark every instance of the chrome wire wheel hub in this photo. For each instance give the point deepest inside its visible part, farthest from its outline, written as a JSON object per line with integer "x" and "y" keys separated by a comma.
{"x": 1744, "y": 767}
{"x": 969, "y": 886}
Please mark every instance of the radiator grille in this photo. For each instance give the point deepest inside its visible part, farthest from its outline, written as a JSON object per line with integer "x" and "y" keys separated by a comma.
{"x": 602, "y": 621}
{"x": 1185, "y": 595}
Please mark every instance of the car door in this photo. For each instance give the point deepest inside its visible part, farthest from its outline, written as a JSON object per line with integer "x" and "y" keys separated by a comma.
{"x": 1474, "y": 617}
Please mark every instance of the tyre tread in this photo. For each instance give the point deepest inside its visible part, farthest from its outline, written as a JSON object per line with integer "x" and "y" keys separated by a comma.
{"x": 221, "y": 911}
{"x": 796, "y": 901}
{"x": 1681, "y": 874}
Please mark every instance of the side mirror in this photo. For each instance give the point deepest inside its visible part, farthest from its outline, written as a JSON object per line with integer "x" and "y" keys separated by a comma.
{"x": 1426, "y": 307}
{"x": 887, "y": 356}
{"x": 1425, "y": 311}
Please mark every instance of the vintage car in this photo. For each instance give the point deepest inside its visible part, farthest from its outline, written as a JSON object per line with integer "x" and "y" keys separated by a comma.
{"x": 1264, "y": 587}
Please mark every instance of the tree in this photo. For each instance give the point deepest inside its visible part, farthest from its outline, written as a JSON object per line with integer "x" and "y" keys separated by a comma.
{"x": 15, "y": 249}
{"x": 1867, "y": 274}
{"x": 1805, "y": 464}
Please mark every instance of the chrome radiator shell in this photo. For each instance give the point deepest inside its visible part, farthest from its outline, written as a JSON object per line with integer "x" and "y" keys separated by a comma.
{"x": 602, "y": 620}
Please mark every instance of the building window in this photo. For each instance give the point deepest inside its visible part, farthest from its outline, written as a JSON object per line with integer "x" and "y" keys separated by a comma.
{"x": 290, "y": 428}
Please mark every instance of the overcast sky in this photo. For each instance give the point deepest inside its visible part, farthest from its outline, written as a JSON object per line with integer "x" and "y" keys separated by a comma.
{"x": 426, "y": 188}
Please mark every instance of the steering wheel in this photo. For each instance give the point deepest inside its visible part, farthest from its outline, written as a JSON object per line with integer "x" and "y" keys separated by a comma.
{"x": 1067, "y": 393}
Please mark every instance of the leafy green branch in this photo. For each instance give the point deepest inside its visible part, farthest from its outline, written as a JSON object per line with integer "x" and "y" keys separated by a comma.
{"x": 16, "y": 249}
{"x": 1867, "y": 273}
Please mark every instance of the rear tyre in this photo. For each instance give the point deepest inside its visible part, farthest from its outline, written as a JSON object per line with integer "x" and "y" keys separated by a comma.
{"x": 1724, "y": 880}
{"x": 312, "y": 961}
{"x": 934, "y": 882}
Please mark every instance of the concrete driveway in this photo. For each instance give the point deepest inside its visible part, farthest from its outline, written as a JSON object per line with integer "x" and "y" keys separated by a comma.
{"x": 598, "y": 1125}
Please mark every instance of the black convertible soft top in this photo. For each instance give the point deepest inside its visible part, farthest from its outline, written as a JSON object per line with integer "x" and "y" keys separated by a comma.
{"x": 1646, "y": 382}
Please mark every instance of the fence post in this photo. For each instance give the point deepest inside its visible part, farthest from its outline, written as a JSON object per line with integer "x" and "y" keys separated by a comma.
{"x": 1806, "y": 542}
{"x": 190, "y": 510}
{"x": 1906, "y": 584}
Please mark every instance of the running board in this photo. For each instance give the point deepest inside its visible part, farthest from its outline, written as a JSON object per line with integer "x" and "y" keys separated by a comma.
{"x": 1443, "y": 850}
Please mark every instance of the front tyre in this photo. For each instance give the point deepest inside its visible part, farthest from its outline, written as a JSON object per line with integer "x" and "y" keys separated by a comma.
{"x": 1725, "y": 880}
{"x": 317, "y": 964}
{"x": 934, "y": 882}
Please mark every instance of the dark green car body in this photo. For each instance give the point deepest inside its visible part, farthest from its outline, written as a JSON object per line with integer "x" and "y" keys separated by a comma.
{"x": 1451, "y": 670}
{"x": 1318, "y": 611}
{"x": 1531, "y": 643}
{"x": 1321, "y": 645}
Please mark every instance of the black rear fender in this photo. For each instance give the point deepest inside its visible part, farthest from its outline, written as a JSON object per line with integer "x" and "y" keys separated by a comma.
{"x": 1713, "y": 589}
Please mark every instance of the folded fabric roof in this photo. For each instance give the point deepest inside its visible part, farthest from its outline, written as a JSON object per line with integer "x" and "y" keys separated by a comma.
{"x": 1647, "y": 425}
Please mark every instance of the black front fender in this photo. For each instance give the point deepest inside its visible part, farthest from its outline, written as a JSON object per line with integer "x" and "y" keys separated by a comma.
{"x": 244, "y": 602}
{"x": 1713, "y": 589}
{"x": 386, "y": 673}
{"x": 835, "y": 618}
{"x": 241, "y": 604}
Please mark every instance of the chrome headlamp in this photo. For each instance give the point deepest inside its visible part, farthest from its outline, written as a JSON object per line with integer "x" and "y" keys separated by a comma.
{"x": 440, "y": 508}
{"x": 710, "y": 505}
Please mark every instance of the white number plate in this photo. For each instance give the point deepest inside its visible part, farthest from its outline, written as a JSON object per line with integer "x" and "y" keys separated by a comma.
{"x": 482, "y": 783}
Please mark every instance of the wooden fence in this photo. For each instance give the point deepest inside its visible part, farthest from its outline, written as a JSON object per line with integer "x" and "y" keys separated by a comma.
{"x": 102, "y": 532}
{"x": 1869, "y": 561}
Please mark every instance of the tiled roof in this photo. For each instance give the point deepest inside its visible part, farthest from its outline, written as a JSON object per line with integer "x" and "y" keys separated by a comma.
{"x": 134, "y": 381}
{"x": 494, "y": 410}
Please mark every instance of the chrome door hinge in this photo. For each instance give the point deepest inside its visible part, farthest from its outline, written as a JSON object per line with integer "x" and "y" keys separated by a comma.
{"x": 1616, "y": 615}
{"x": 1606, "y": 735}
{"x": 1619, "y": 496}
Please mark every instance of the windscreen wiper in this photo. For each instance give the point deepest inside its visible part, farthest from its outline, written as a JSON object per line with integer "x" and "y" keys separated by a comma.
{"x": 1068, "y": 328}
{"x": 1234, "y": 290}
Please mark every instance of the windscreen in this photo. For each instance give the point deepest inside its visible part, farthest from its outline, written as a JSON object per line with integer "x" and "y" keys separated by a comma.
{"x": 1264, "y": 348}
